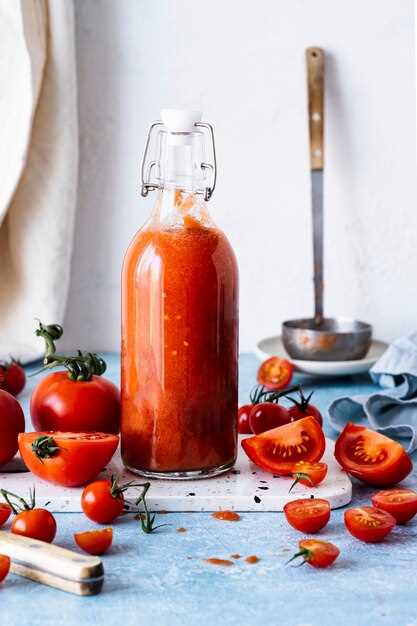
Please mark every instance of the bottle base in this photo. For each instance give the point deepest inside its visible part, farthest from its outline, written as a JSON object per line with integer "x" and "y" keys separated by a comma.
{"x": 183, "y": 475}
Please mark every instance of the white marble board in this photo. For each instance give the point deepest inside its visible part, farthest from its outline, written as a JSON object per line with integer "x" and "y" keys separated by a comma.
{"x": 245, "y": 488}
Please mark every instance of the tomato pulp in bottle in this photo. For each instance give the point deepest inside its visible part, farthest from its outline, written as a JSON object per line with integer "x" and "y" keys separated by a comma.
{"x": 179, "y": 329}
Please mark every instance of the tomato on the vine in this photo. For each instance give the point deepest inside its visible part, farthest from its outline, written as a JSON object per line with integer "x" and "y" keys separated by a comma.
{"x": 5, "y": 511}
{"x": 317, "y": 553}
{"x": 368, "y": 523}
{"x": 309, "y": 474}
{"x": 12, "y": 377}
{"x": 372, "y": 457}
{"x": 103, "y": 501}
{"x": 266, "y": 416}
{"x": 279, "y": 449}
{"x": 94, "y": 542}
{"x": 4, "y": 566}
{"x": 401, "y": 503}
{"x": 275, "y": 373}
{"x": 308, "y": 515}
{"x": 243, "y": 426}
{"x": 68, "y": 459}
{"x": 12, "y": 422}
{"x": 29, "y": 521}
{"x": 303, "y": 407}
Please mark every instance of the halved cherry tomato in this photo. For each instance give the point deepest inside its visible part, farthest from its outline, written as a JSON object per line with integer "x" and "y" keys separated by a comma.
{"x": 5, "y": 511}
{"x": 317, "y": 553}
{"x": 275, "y": 373}
{"x": 266, "y": 416}
{"x": 368, "y": 523}
{"x": 12, "y": 422}
{"x": 4, "y": 566}
{"x": 69, "y": 459}
{"x": 308, "y": 515}
{"x": 401, "y": 503}
{"x": 309, "y": 474}
{"x": 372, "y": 457}
{"x": 95, "y": 541}
{"x": 303, "y": 407}
{"x": 243, "y": 426}
{"x": 103, "y": 500}
{"x": 277, "y": 450}
{"x": 12, "y": 377}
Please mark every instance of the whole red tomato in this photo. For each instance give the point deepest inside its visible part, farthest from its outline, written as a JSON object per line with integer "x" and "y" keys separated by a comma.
{"x": 30, "y": 521}
{"x": 12, "y": 422}
{"x": 103, "y": 500}
{"x": 303, "y": 408}
{"x": 267, "y": 415}
{"x": 243, "y": 426}
{"x": 61, "y": 404}
{"x": 12, "y": 377}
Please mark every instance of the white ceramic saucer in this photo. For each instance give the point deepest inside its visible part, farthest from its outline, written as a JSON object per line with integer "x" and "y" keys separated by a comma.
{"x": 273, "y": 346}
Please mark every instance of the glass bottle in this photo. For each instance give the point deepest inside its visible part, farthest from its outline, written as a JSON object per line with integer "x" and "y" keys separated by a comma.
{"x": 179, "y": 316}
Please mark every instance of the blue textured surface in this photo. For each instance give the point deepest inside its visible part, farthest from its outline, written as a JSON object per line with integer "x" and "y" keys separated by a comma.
{"x": 162, "y": 579}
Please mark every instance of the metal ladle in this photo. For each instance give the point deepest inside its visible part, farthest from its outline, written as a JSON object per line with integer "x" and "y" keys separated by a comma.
{"x": 321, "y": 338}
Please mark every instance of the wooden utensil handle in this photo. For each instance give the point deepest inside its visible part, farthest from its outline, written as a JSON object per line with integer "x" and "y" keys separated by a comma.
{"x": 315, "y": 82}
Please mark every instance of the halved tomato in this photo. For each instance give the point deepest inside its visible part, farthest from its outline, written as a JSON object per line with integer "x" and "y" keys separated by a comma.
{"x": 317, "y": 553}
{"x": 95, "y": 541}
{"x": 277, "y": 450}
{"x": 68, "y": 459}
{"x": 308, "y": 515}
{"x": 401, "y": 503}
{"x": 372, "y": 457}
{"x": 368, "y": 523}
{"x": 275, "y": 373}
{"x": 309, "y": 474}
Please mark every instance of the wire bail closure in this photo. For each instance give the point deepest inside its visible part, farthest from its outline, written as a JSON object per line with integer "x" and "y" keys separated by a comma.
{"x": 147, "y": 167}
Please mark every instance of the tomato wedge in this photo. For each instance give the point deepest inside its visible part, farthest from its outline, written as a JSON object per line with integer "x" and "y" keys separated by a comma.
{"x": 372, "y": 457}
{"x": 308, "y": 515}
{"x": 5, "y": 511}
{"x": 309, "y": 474}
{"x": 317, "y": 553}
{"x": 401, "y": 503}
{"x": 95, "y": 541}
{"x": 4, "y": 566}
{"x": 275, "y": 373}
{"x": 68, "y": 459}
{"x": 368, "y": 523}
{"x": 278, "y": 449}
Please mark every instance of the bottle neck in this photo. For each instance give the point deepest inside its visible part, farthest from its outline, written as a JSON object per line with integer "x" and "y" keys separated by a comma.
{"x": 181, "y": 165}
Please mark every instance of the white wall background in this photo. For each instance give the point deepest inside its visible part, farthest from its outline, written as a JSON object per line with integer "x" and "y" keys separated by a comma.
{"x": 242, "y": 62}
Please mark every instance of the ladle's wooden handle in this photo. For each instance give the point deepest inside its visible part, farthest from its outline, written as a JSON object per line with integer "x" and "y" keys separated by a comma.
{"x": 315, "y": 81}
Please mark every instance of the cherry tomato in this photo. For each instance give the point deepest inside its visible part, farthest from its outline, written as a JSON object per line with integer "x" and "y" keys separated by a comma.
{"x": 277, "y": 450}
{"x": 275, "y": 373}
{"x": 102, "y": 501}
{"x": 368, "y": 523}
{"x": 401, "y": 503}
{"x": 12, "y": 422}
{"x": 373, "y": 458}
{"x": 267, "y": 415}
{"x": 317, "y": 553}
{"x": 68, "y": 459}
{"x": 61, "y": 404}
{"x": 36, "y": 524}
{"x": 303, "y": 407}
{"x": 5, "y": 511}
{"x": 4, "y": 566}
{"x": 12, "y": 376}
{"x": 95, "y": 541}
{"x": 308, "y": 515}
{"x": 309, "y": 474}
{"x": 243, "y": 426}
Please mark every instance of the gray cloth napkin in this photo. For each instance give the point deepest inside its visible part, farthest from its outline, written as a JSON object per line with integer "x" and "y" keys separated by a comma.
{"x": 392, "y": 411}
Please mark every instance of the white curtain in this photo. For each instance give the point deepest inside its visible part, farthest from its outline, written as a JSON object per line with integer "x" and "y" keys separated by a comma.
{"x": 38, "y": 167}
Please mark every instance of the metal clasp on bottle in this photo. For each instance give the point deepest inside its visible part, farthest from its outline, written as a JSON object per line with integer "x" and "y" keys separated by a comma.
{"x": 147, "y": 168}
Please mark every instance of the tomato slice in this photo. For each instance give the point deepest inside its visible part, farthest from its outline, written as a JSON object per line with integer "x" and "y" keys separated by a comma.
{"x": 5, "y": 511}
{"x": 401, "y": 503}
{"x": 317, "y": 553}
{"x": 278, "y": 449}
{"x": 68, "y": 459}
{"x": 275, "y": 373}
{"x": 368, "y": 523}
{"x": 4, "y": 566}
{"x": 308, "y": 515}
{"x": 372, "y": 457}
{"x": 95, "y": 541}
{"x": 309, "y": 474}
